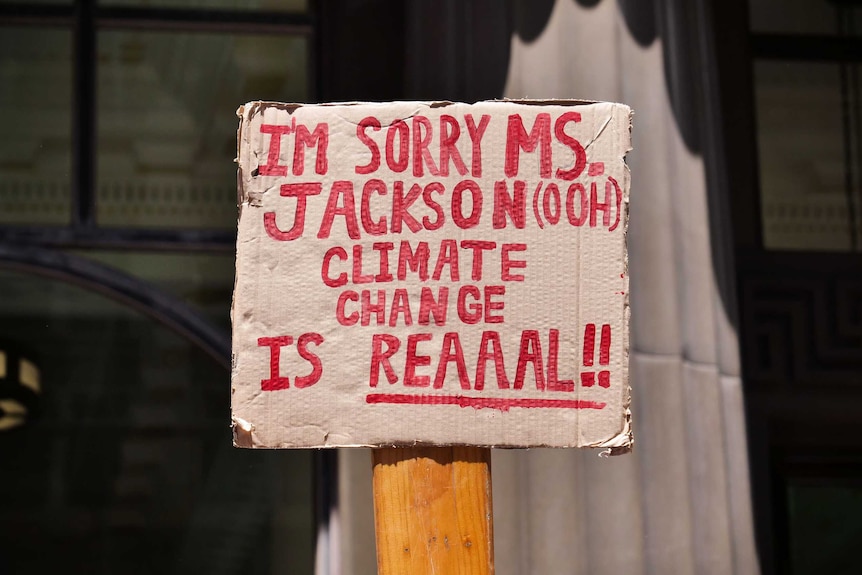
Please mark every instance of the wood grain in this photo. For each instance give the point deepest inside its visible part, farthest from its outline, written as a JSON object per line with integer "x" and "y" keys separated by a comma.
{"x": 432, "y": 510}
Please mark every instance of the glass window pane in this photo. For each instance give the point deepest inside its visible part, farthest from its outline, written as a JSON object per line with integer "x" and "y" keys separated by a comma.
{"x": 124, "y": 463}
{"x": 167, "y": 122}
{"x": 809, "y": 132}
{"x": 825, "y": 530}
{"x": 204, "y": 281}
{"x": 805, "y": 17}
{"x": 263, "y": 5}
{"x": 35, "y": 148}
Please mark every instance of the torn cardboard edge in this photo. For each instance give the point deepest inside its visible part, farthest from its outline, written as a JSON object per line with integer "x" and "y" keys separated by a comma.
{"x": 621, "y": 444}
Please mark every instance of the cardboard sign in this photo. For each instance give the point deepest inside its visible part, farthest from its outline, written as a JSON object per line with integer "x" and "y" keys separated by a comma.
{"x": 432, "y": 273}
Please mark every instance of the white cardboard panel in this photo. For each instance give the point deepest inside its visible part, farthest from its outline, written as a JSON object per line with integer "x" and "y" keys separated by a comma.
{"x": 433, "y": 273}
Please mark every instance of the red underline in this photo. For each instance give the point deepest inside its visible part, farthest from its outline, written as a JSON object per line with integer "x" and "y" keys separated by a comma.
{"x": 501, "y": 403}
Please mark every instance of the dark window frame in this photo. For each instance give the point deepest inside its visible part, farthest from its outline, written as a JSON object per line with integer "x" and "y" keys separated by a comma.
{"x": 790, "y": 47}
{"x": 786, "y": 414}
{"x": 36, "y": 248}
{"x": 85, "y": 18}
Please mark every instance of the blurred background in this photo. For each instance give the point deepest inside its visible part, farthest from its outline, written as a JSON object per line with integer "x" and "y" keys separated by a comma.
{"x": 117, "y": 230}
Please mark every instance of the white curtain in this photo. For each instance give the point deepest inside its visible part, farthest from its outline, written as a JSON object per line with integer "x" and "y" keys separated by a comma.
{"x": 680, "y": 503}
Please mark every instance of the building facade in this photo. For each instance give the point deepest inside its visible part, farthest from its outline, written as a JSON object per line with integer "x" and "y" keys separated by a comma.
{"x": 117, "y": 230}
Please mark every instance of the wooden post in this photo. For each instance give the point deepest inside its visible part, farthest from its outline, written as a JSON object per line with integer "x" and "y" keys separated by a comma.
{"x": 432, "y": 510}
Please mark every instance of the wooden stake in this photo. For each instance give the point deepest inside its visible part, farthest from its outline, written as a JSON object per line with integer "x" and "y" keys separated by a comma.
{"x": 432, "y": 510}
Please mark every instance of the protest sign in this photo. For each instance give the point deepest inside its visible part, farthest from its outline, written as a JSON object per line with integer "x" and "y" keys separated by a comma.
{"x": 432, "y": 273}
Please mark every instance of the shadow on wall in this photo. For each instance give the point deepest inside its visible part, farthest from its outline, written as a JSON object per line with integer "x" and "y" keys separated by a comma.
{"x": 460, "y": 50}
{"x": 671, "y": 20}
{"x": 688, "y": 52}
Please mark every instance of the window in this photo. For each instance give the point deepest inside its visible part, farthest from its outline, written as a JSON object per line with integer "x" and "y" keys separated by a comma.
{"x": 798, "y": 219}
{"x": 808, "y": 96}
{"x": 117, "y": 228}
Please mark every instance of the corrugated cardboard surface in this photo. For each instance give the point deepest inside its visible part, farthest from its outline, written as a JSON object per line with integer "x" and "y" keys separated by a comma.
{"x": 538, "y": 191}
